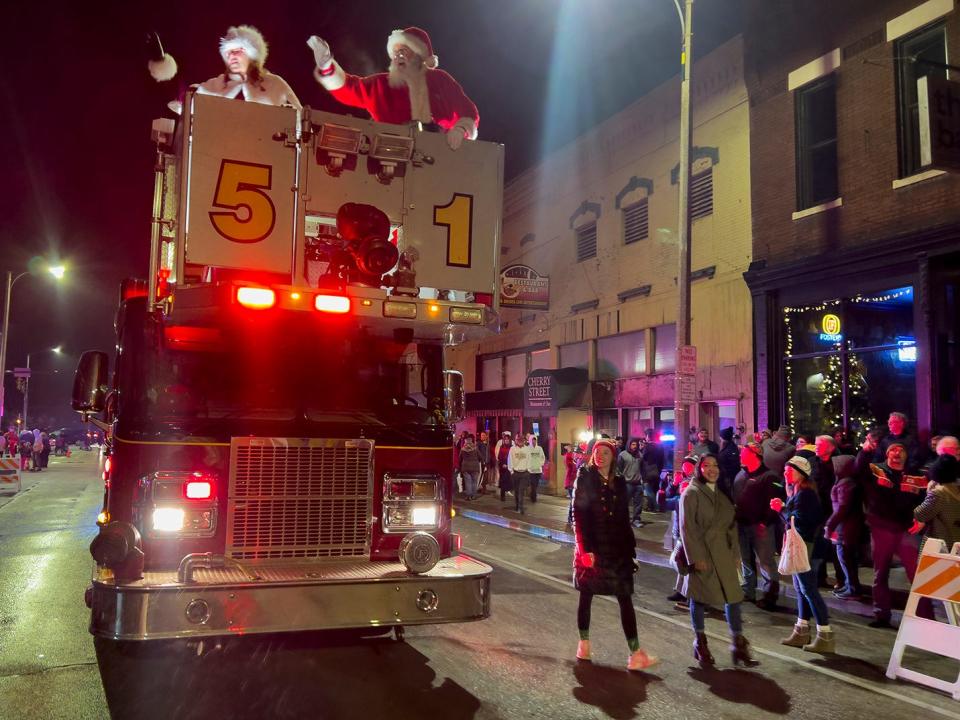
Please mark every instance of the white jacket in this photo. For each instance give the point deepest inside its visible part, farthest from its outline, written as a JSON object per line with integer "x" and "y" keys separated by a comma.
{"x": 519, "y": 459}
{"x": 537, "y": 459}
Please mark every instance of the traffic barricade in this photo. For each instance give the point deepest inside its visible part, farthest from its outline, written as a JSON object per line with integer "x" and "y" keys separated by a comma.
{"x": 10, "y": 475}
{"x": 937, "y": 578}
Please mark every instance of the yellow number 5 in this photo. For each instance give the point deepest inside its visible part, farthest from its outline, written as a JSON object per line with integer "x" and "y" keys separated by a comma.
{"x": 240, "y": 189}
{"x": 457, "y": 217}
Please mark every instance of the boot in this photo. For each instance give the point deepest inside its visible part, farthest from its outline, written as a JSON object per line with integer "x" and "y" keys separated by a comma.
{"x": 740, "y": 652}
{"x": 701, "y": 653}
{"x": 583, "y": 650}
{"x": 799, "y": 637}
{"x": 823, "y": 643}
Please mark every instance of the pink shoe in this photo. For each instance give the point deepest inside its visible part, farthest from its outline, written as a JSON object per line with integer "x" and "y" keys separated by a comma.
{"x": 639, "y": 660}
{"x": 583, "y": 650}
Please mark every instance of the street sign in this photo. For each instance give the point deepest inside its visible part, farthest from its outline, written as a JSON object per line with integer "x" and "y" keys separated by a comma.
{"x": 687, "y": 373}
{"x": 687, "y": 360}
{"x": 21, "y": 372}
{"x": 939, "y": 112}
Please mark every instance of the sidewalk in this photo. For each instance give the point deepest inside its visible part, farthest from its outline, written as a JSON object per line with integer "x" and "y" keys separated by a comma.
{"x": 29, "y": 479}
{"x": 547, "y": 518}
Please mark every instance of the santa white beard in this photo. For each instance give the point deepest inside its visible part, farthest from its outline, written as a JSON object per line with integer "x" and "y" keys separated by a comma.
{"x": 415, "y": 79}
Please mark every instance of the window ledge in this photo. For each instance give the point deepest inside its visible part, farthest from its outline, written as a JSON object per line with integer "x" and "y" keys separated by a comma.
{"x": 822, "y": 207}
{"x": 918, "y": 177}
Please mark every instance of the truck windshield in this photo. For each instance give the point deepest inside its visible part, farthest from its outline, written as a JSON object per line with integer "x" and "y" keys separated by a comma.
{"x": 331, "y": 376}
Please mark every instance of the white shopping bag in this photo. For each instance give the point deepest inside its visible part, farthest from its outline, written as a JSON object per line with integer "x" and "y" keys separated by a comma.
{"x": 793, "y": 556}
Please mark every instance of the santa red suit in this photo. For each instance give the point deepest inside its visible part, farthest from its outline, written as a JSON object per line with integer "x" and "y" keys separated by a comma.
{"x": 438, "y": 99}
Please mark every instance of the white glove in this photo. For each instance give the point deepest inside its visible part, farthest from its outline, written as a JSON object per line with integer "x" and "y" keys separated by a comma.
{"x": 321, "y": 51}
{"x": 455, "y": 137}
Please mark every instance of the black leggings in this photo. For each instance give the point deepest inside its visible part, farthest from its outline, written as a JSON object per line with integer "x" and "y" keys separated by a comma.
{"x": 628, "y": 618}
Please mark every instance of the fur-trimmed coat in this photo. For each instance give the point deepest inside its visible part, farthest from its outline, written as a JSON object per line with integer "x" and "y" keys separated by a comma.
{"x": 270, "y": 89}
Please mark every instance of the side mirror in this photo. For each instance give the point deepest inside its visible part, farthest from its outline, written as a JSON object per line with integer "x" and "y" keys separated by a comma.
{"x": 90, "y": 382}
{"x": 454, "y": 400}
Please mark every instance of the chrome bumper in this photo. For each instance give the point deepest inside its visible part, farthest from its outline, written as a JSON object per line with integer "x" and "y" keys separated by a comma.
{"x": 314, "y": 596}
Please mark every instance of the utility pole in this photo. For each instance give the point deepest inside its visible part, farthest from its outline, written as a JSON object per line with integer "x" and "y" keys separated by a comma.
{"x": 680, "y": 406}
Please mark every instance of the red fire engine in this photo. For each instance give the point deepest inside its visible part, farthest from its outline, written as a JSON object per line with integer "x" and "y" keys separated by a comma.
{"x": 279, "y": 415}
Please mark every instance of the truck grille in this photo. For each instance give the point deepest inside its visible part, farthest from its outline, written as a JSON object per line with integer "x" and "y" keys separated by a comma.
{"x": 299, "y": 498}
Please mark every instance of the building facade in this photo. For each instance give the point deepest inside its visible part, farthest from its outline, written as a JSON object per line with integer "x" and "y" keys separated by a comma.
{"x": 596, "y": 223}
{"x": 856, "y": 272}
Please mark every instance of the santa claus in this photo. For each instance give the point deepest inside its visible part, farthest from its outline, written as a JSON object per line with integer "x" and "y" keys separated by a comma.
{"x": 412, "y": 90}
{"x": 244, "y": 52}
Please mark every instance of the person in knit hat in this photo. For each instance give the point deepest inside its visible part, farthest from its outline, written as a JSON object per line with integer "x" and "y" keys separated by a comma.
{"x": 412, "y": 90}
{"x": 244, "y": 52}
{"x": 604, "y": 557}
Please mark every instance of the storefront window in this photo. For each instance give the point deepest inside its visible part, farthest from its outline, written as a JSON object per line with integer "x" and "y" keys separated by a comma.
{"x": 621, "y": 356}
{"x": 884, "y": 319}
{"x": 850, "y": 362}
{"x": 576, "y": 355}
{"x": 493, "y": 374}
{"x": 516, "y": 370}
{"x": 665, "y": 344}
{"x": 541, "y": 360}
{"x": 606, "y": 422}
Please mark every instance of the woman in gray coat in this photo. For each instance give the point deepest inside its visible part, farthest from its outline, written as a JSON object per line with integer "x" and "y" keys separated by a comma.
{"x": 709, "y": 536}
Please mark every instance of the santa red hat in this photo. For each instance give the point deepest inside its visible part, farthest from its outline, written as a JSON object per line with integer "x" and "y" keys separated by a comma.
{"x": 417, "y": 40}
{"x": 246, "y": 38}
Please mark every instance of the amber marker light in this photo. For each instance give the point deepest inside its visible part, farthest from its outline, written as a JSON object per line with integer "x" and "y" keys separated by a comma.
{"x": 294, "y": 296}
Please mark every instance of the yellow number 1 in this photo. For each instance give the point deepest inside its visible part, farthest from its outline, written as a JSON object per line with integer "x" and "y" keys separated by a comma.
{"x": 457, "y": 217}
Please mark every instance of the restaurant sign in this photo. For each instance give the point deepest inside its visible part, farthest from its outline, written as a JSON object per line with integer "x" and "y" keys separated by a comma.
{"x": 522, "y": 287}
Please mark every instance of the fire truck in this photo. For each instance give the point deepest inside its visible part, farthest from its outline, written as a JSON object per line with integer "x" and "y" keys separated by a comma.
{"x": 278, "y": 411}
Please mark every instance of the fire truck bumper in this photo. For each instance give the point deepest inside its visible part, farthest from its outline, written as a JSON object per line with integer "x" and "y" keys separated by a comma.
{"x": 303, "y": 597}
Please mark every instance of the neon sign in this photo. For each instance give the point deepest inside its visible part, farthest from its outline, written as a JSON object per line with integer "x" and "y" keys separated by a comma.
{"x": 830, "y": 324}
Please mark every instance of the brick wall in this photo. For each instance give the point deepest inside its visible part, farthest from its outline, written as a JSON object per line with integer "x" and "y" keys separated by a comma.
{"x": 781, "y": 37}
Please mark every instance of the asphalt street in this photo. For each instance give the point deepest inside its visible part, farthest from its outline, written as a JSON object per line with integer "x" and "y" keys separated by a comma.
{"x": 517, "y": 664}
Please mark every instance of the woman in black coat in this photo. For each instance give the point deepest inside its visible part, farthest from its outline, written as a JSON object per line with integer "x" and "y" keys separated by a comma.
{"x": 604, "y": 557}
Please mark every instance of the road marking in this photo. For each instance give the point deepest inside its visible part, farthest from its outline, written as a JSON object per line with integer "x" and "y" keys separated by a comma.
{"x": 848, "y": 679}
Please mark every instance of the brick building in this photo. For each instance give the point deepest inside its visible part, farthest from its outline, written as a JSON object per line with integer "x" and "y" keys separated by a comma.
{"x": 598, "y": 218}
{"x": 856, "y": 248}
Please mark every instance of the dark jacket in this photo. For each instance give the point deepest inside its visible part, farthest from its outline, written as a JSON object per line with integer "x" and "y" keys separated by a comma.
{"x": 776, "y": 452}
{"x": 752, "y": 493}
{"x": 807, "y": 515}
{"x": 601, "y": 516}
{"x": 729, "y": 462}
{"x": 469, "y": 458}
{"x": 887, "y": 507}
{"x": 846, "y": 499}
{"x": 825, "y": 477}
{"x": 915, "y": 456}
{"x": 652, "y": 461}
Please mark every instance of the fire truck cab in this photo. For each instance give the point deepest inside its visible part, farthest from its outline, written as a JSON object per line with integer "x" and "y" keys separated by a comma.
{"x": 278, "y": 411}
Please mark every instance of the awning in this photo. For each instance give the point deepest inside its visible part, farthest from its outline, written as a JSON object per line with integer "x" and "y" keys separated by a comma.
{"x": 495, "y": 403}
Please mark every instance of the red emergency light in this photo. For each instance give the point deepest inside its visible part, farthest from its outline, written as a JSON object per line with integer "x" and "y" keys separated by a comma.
{"x": 256, "y": 298}
{"x": 337, "y": 304}
{"x": 201, "y": 489}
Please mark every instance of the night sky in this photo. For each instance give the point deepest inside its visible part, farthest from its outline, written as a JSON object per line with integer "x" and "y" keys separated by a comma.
{"x": 77, "y": 102}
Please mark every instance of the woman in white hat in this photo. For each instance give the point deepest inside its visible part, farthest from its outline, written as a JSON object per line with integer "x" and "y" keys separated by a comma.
{"x": 803, "y": 507}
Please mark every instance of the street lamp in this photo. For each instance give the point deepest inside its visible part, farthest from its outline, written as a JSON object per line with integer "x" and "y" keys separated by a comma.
{"x": 680, "y": 408}
{"x": 58, "y": 271}
{"x": 26, "y": 385}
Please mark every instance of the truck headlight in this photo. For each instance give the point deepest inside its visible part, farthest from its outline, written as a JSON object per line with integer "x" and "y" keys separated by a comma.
{"x": 411, "y": 503}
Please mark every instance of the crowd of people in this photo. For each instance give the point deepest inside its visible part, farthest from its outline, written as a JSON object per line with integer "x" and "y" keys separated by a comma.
{"x": 732, "y": 505}
{"x": 31, "y": 447}
{"x": 512, "y": 465}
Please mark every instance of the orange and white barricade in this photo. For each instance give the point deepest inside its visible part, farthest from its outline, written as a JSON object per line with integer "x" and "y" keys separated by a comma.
{"x": 10, "y": 474}
{"x": 937, "y": 578}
